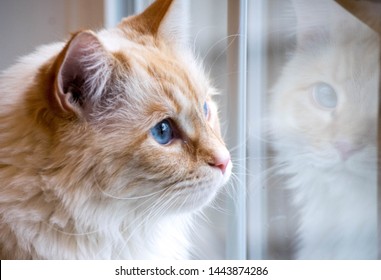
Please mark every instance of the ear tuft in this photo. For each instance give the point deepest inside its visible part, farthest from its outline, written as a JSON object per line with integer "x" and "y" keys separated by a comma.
{"x": 165, "y": 19}
{"x": 83, "y": 72}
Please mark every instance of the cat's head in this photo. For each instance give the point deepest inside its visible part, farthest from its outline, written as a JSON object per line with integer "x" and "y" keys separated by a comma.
{"x": 324, "y": 106}
{"x": 132, "y": 115}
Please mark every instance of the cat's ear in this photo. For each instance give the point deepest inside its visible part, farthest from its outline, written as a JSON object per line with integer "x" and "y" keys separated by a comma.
{"x": 165, "y": 19}
{"x": 82, "y": 69}
{"x": 367, "y": 12}
{"x": 318, "y": 21}
{"x": 312, "y": 24}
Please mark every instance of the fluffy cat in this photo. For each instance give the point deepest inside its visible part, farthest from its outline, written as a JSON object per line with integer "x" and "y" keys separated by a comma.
{"x": 323, "y": 120}
{"x": 109, "y": 143}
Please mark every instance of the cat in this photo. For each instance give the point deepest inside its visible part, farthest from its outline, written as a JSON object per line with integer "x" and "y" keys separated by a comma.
{"x": 323, "y": 112}
{"x": 109, "y": 144}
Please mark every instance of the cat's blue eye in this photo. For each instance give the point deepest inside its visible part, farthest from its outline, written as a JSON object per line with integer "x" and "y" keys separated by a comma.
{"x": 325, "y": 95}
{"x": 206, "y": 109}
{"x": 162, "y": 132}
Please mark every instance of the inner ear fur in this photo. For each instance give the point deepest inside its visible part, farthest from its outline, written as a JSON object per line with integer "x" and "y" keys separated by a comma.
{"x": 82, "y": 68}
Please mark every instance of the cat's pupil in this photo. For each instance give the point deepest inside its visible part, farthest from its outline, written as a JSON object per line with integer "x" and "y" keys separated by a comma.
{"x": 162, "y": 132}
{"x": 206, "y": 109}
{"x": 325, "y": 95}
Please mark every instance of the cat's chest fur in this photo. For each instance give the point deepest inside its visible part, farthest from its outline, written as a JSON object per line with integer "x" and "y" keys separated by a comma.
{"x": 167, "y": 240}
{"x": 337, "y": 213}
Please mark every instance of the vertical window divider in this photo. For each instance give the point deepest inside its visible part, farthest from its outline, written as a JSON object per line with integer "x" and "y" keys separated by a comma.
{"x": 237, "y": 68}
{"x": 257, "y": 214}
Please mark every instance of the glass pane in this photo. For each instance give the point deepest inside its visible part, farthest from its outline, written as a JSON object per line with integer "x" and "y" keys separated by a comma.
{"x": 321, "y": 123}
{"x": 208, "y": 37}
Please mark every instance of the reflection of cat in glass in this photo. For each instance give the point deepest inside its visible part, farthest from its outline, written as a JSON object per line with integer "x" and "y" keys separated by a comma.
{"x": 323, "y": 118}
{"x": 108, "y": 144}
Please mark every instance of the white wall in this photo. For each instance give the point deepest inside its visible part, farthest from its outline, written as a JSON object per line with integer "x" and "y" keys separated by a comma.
{"x": 26, "y": 24}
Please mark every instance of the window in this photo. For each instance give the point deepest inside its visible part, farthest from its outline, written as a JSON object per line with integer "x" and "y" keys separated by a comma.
{"x": 299, "y": 146}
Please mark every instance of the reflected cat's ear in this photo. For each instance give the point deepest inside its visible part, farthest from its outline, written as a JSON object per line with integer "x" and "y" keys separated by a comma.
{"x": 366, "y": 11}
{"x": 312, "y": 24}
{"x": 164, "y": 19}
{"x": 319, "y": 21}
{"x": 82, "y": 69}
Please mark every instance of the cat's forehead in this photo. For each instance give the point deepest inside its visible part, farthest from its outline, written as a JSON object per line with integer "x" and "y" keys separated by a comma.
{"x": 162, "y": 81}
{"x": 174, "y": 77}
{"x": 353, "y": 60}
{"x": 160, "y": 62}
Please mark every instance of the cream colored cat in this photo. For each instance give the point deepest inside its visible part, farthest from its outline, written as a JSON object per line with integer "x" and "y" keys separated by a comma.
{"x": 324, "y": 122}
{"x": 109, "y": 143}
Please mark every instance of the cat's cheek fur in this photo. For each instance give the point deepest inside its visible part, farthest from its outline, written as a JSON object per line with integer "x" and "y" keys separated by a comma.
{"x": 184, "y": 182}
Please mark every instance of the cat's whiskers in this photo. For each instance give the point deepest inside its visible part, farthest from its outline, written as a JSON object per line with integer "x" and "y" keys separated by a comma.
{"x": 148, "y": 214}
{"x": 139, "y": 216}
{"x": 129, "y": 197}
{"x": 53, "y": 227}
{"x": 230, "y": 39}
{"x": 218, "y": 203}
{"x": 128, "y": 213}
{"x": 196, "y": 37}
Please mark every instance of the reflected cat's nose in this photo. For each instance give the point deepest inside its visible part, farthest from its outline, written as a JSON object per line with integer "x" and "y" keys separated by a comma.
{"x": 346, "y": 149}
{"x": 221, "y": 160}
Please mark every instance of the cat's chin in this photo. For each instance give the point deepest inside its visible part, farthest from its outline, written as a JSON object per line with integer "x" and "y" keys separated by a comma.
{"x": 190, "y": 198}
{"x": 188, "y": 201}
{"x": 362, "y": 164}
{"x": 358, "y": 166}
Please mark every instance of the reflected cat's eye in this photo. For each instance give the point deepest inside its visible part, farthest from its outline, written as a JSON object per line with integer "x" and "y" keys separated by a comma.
{"x": 162, "y": 132}
{"x": 324, "y": 95}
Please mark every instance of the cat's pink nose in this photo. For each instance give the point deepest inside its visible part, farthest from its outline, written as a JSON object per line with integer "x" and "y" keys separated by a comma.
{"x": 221, "y": 160}
{"x": 346, "y": 149}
